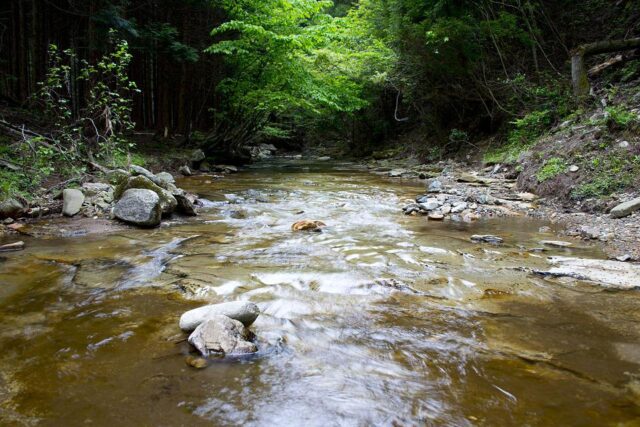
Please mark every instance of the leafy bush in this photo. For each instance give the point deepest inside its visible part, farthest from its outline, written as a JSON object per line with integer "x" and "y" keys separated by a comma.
{"x": 523, "y": 135}
{"x": 96, "y": 128}
{"x": 551, "y": 168}
{"x": 620, "y": 117}
{"x": 607, "y": 175}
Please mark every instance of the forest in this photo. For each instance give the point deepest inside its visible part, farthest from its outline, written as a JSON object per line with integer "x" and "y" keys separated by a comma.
{"x": 226, "y": 75}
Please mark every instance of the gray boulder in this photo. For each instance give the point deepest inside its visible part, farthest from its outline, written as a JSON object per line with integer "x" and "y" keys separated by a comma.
{"x": 186, "y": 204}
{"x": 626, "y": 208}
{"x": 116, "y": 176}
{"x": 431, "y": 204}
{"x": 168, "y": 202}
{"x": 197, "y": 156}
{"x": 11, "y": 208}
{"x": 72, "y": 201}
{"x": 186, "y": 170}
{"x": 435, "y": 186}
{"x": 222, "y": 335}
{"x": 459, "y": 207}
{"x": 242, "y": 311}
{"x": 90, "y": 189}
{"x": 139, "y": 170}
{"x": 166, "y": 177}
{"x": 139, "y": 206}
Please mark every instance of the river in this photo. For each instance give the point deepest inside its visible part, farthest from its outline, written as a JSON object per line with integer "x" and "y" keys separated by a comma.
{"x": 381, "y": 319}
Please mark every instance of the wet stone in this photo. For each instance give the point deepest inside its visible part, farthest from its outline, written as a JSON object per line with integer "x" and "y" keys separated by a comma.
{"x": 486, "y": 238}
{"x": 243, "y": 311}
{"x": 222, "y": 335}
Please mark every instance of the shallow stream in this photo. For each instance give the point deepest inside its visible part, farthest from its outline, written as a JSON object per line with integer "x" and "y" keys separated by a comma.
{"x": 381, "y": 319}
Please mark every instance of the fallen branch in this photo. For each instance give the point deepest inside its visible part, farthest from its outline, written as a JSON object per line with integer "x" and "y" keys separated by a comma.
{"x": 579, "y": 76}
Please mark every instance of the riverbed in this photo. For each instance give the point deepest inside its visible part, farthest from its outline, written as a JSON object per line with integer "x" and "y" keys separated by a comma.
{"x": 381, "y": 319}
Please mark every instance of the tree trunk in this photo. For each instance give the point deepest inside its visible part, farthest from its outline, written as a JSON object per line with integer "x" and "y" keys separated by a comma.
{"x": 579, "y": 76}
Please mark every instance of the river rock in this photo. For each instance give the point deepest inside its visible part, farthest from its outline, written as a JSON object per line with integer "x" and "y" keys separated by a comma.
{"x": 225, "y": 168}
{"x": 413, "y": 208}
{"x": 308, "y": 225}
{"x": 197, "y": 156}
{"x": 397, "y": 173}
{"x": 12, "y": 208}
{"x": 526, "y": 197}
{"x": 196, "y": 362}
{"x": 166, "y": 177}
{"x": 168, "y": 202}
{"x": 185, "y": 170}
{"x": 615, "y": 274}
{"x": 90, "y": 189}
{"x": 431, "y": 205}
{"x": 435, "y": 186}
{"x": 626, "y": 208}
{"x": 186, "y": 205}
{"x": 16, "y": 246}
{"x": 486, "y": 238}
{"x": 436, "y": 216}
{"x": 139, "y": 206}
{"x": 72, "y": 201}
{"x": 556, "y": 243}
{"x": 473, "y": 179}
{"x": 116, "y": 176}
{"x": 242, "y": 311}
{"x": 139, "y": 170}
{"x": 222, "y": 335}
{"x": 459, "y": 207}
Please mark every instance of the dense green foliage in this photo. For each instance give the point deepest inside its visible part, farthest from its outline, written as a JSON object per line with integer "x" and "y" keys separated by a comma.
{"x": 437, "y": 76}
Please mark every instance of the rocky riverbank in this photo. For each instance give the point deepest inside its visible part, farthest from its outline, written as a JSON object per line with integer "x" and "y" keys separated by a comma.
{"x": 455, "y": 192}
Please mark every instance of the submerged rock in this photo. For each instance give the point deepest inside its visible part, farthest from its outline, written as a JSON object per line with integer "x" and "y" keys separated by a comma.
{"x": 626, "y": 208}
{"x": 196, "y": 362}
{"x": 616, "y": 274}
{"x": 139, "y": 206}
{"x": 242, "y": 311}
{"x": 222, "y": 335}
{"x": 556, "y": 243}
{"x": 308, "y": 225}
{"x": 397, "y": 173}
{"x": 72, "y": 201}
{"x": 486, "y": 238}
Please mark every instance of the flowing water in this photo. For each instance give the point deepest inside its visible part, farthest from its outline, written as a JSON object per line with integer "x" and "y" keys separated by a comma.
{"x": 381, "y": 319}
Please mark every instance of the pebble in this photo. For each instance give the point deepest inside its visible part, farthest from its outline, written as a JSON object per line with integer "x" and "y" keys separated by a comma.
{"x": 196, "y": 362}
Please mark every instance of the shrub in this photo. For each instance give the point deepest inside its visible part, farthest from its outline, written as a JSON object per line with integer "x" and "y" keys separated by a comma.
{"x": 551, "y": 168}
